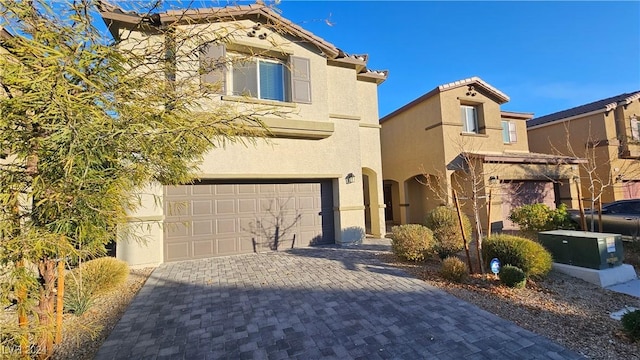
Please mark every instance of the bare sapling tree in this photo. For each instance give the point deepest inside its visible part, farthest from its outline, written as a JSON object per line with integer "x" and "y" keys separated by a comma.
{"x": 467, "y": 178}
{"x": 601, "y": 169}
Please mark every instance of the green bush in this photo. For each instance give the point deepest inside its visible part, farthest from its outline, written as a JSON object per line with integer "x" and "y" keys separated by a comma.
{"x": 93, "y": 278}
{"x": 77, "y": 301}
{"x": 513, "y": 276}
{"x": 631, "y": 324}
{"x": 454, "y": 269}
{"x": 534, "y": 218}
{"x": 526, "y": 254}
{"x": 444, "y": 223}
{"x": 412, "y": 242}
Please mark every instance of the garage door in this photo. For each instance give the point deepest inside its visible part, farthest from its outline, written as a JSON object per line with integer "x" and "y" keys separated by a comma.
{"x": 518, "y": 193}
{"x": 214, "y": 219}
{"x": 631, "y": 189}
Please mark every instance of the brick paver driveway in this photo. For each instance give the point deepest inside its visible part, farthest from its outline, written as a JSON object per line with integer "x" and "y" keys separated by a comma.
{"x": 314, "y": 303}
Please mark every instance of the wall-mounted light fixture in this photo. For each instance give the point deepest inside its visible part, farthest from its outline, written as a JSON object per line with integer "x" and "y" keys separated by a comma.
{"x": 493, "y": 180}
{"x": 350, "y": 178}
{"x": 575, "y": 179}
{"x": 620, "y": 178}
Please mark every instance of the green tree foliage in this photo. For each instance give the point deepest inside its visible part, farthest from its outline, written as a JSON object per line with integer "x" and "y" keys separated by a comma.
{"x": 534, "y": 218}
{"x": 83, "y": 125}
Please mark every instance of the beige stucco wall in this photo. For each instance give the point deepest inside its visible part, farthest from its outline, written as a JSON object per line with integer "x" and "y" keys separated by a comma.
{"x": 352, "y": 146}
{"x": 427, "y": 137}
{"x": 570, "y": 138}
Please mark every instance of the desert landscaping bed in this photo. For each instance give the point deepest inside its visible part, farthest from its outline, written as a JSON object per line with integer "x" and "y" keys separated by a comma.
{"x": 570, "y": 311}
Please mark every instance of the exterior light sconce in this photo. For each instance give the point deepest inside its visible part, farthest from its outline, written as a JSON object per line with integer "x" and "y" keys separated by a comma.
{"x": 576, "y": 179}
{"x": 493, "y": 180}
{"x": 350, "y": 178}
{"x": 619, "y": 178}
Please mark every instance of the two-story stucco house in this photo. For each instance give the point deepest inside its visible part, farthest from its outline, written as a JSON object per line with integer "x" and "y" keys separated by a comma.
{"x": 607, "y": 134}
{"x": 456, "y": 137}
{"x": 319, "y": 178}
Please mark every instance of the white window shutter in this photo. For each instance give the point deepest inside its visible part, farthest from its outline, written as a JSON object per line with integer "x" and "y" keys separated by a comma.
{"x": 635, "y": 133}
{"x": 300, "y": 80}
{"x": 212, "y": 63}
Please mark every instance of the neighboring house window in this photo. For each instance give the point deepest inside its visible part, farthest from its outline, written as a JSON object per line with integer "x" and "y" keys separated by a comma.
{"x": 635, "y": 128}
{"x": 509, "y": 134}
{"x": 268, "y": 79}
{"x": 469, "y": 119}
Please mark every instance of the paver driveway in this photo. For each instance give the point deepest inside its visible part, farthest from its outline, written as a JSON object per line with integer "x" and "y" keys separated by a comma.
{"x": 307, "y": 304}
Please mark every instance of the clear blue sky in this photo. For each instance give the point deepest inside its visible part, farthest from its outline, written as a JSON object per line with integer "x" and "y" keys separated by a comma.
{"x": 547, "y": 56}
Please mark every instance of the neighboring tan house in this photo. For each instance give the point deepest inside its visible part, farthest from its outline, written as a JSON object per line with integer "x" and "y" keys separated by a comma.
{"x": 455, "y": 137}
{"x": 317, "y": 181}
{"x": 606, "y": 133}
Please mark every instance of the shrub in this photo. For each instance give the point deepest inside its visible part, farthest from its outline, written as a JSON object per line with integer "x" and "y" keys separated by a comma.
{"x": 91, "y": 279}
{"x": 444, "y": 223}
{"x": 631, "y": 324}
{"x": 454, "y": 269}
{"x": 412, "y": 242}
{"x": 534, "y": 218}
{"x": 526, "y": 254}
{"x": 513, "y": 276}
{"x": 77, "y": 301}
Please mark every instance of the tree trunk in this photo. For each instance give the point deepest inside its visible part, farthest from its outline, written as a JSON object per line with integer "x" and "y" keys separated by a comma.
{"x": 23, "y": 321}
{"x": 60, "y": 301}
{"x": 47, "y": 268}
{"x": 464, "y": 236}
{"x": 479, "y": 236}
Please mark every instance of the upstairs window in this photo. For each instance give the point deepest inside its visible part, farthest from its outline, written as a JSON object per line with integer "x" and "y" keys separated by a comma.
{"x": 261, "y": 78}
{"x": 469, "y": 119}
{"x": 635, "y": 129}
{"x": 509, "y": 134}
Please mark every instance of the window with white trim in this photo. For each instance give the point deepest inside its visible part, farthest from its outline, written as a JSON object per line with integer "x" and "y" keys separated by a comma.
{"x": 509, "y": 134}
{"x": 261, "y": 78}
{"x": 469, "y": 116}
{"x": 635, "y": 128}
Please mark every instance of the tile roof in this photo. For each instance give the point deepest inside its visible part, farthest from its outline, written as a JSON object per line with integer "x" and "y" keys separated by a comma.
{"x": 502, "y": 97}
{"x": 604, "y": 105}
{"x": 475, "y": 80}
{"x": 112, "y": 12}
{"x": 524, "y": 158}
{"x": 4, "y": 33}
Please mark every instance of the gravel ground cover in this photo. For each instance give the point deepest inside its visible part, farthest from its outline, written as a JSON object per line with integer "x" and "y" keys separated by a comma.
{"x": 570, "y": 311}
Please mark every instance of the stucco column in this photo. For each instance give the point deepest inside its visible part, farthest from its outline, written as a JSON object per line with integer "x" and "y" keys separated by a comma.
{"x": 404, "y": 202}
{"x": 141, "y": 240}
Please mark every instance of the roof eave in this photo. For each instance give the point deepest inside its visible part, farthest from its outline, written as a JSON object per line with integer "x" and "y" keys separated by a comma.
{"x": 530, "y": 159}
{"x": 368, "y": 76}
{"x": 227, "y": 13}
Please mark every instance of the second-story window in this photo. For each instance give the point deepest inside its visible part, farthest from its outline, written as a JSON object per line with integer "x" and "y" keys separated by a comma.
{"x": 469, "y": 119}
{"x": 635, "y": 129}
{"x": 262, "y": 79}
{"x": 287, "y": 79}
{"x": 509, "y": 134}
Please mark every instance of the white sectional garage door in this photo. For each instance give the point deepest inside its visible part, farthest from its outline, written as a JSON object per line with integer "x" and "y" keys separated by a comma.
{"x": 214, "y": 219}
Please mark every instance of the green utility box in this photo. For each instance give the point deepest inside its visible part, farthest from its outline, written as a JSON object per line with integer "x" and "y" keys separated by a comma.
{"x": 585, "y": 249}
